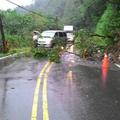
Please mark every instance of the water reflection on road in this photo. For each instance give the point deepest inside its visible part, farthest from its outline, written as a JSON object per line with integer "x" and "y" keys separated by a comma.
{"x": 84, "y": 90}
{"x": 77, "y": 90}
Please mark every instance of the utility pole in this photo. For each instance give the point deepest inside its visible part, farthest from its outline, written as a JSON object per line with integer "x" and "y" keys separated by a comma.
{"x": 2, "y": 34}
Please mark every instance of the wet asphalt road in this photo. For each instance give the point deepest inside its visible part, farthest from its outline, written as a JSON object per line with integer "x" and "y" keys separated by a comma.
{"x": 75, "y": 90}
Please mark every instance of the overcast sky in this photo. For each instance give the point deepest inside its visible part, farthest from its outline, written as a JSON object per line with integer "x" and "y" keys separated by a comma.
{"x": 4, "y": 5}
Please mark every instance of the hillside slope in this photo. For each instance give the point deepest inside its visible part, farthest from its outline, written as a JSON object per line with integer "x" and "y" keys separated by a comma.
{"x": 82, "y": 14}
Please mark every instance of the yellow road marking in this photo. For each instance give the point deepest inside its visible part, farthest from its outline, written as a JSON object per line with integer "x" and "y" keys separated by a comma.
{"x": 44, "y": 97}
{"x": 70, "y": 77}
{"x": 36, "y": 93}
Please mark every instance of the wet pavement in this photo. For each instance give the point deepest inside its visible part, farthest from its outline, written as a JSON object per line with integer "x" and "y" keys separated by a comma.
{"x": 79, "y": 92}
{"x": 75, "y": 90}
{"x": 17, "y": 84}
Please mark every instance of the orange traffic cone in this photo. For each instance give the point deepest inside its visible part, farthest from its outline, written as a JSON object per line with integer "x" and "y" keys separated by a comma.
{"x": 105, "y": 63}
{"x": 105, "y": 68}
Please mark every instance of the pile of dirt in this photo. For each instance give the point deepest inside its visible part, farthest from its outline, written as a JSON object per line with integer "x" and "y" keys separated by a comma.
{"x": 114, "y": 53}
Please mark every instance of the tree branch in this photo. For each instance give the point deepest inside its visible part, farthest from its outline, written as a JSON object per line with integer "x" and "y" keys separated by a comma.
{"x": 101, "y": 36}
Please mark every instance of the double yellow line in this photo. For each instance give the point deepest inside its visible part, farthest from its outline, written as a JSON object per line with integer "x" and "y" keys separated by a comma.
{"x": 44, "y": 72}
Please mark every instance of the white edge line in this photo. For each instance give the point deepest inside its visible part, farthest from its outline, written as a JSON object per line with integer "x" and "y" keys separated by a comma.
{"x": 117, "y": 65}
{"x": 5, "y": 57}
{"x": 12, "y": 55}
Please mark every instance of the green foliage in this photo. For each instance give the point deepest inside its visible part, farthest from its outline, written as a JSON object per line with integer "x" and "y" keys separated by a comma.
{"x": 19, "y": 27}
{"x": 54, "y": 55}
{"x": 103, "y": 27}
{"x": 83, "y": 41}
{"x": 100, "y": 16}
{"x": 26, "y": 51}
{"x": 99, "y": 41}
{"x": 3, "y": 54}
{"x": 57, "y": 42}
{"x": 51, "y": 54}
{"x": 83, "y": 14}
{"x": 23, "y": 22}
{"x": 109, "y": 25}
{"x": 18, "y": 41}
{"x": 40, "y": 53}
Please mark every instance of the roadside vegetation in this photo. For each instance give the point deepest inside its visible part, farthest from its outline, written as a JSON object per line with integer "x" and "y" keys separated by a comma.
{"x": 96, "y": 23}
{"x": 18, "y": 27}
{"x": 106, "y": 34}
{"x": 53, "y": 54}
{"x": 18, "y": 30}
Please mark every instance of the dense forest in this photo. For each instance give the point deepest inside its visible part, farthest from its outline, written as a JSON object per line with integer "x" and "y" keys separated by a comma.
{"x": 82, "y": 14}
{"x": 97, "y": 19}
{"x": 92, "y": 15}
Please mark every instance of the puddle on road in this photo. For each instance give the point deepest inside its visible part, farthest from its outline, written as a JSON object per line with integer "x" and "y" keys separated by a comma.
{"x": 12, "y": 88}
{"x": 30, "y": 79}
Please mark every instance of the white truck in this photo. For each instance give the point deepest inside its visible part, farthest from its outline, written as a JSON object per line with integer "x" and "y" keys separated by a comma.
{"x": 69, "y": 29}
